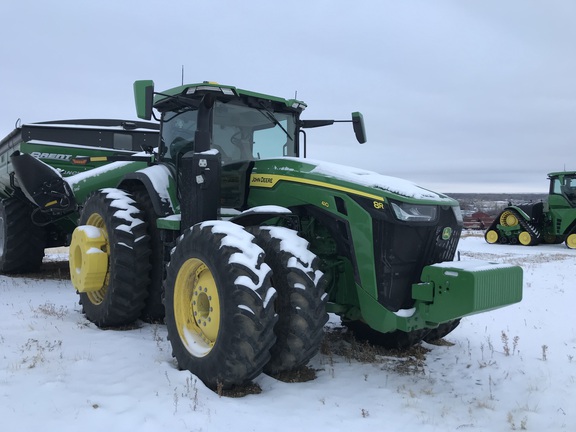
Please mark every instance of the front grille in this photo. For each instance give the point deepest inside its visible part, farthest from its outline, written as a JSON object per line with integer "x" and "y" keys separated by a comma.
{"x": 401, "y": 251}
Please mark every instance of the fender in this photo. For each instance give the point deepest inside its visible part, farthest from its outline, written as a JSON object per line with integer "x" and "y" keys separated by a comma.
{"x": 159, "y": 182}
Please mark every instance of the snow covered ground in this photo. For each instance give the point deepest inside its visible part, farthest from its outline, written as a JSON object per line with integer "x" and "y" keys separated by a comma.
{"x": 509, "y": 369}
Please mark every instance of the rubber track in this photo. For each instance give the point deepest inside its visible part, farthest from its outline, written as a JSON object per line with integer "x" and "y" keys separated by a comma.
{"x": 527, "y": 226}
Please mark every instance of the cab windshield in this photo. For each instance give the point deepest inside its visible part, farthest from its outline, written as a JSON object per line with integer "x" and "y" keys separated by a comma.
{"x": 566, "y": 186}
{"x": 238, "y": 132}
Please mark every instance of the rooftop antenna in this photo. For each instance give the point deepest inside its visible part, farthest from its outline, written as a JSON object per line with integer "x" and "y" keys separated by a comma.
{"x": 182, "y": 74}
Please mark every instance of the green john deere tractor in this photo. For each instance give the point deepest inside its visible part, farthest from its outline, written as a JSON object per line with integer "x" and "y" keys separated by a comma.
{"x": 551, "y": 222}
{"x": 244, "y": 247}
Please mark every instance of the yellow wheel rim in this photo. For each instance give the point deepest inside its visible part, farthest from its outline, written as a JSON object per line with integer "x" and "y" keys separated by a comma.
{"x": 491, "y": 236}
{"x": 525, "y": 238}
{"x": 97, "y": 297}
{"x": 571, "y": 241}
{"x": 508, "y": 219}
{"x": 196, "y": 307}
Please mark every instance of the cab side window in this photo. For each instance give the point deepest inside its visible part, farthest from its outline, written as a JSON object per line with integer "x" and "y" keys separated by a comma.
{"x": 177, "y": 135}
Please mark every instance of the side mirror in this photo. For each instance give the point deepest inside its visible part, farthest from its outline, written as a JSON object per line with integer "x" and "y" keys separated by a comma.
{"x": 144, "y": 98}
{"x": 358, "y": 125}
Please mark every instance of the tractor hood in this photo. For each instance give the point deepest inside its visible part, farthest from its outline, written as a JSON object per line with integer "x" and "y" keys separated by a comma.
{"x": 269, "y": 172}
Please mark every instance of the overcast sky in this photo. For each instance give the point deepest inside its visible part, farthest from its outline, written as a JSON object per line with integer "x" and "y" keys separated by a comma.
{"x": 458, "y": 96}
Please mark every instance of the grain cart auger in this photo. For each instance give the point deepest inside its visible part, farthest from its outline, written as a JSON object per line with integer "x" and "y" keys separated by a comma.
{"x": 553, "y": 221}
{"x": 249, "y": 245}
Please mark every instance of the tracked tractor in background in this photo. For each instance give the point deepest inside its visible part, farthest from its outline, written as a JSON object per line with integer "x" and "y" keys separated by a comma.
{"x": 246, "y": 246}
{"x": 553, "y": 221}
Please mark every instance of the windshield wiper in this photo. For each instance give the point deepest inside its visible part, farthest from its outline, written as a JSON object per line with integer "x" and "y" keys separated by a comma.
{"x": 270, "y": 116}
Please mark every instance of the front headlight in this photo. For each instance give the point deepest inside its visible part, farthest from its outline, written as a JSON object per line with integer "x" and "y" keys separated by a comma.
{"x": 414, "y": 212}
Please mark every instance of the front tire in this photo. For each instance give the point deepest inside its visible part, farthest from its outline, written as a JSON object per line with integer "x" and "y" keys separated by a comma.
{"x": 120, "y": 297}
{"x": 219, "y": 304}
{"x": 301, "y": 301}
{"x": 22, "y": 242}
{"x": 441, "y": 331}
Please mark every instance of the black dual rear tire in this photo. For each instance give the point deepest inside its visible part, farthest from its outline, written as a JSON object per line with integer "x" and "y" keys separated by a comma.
{"x": 301, "y": 301}
{"x": 219, "y": 305}
{"x": 153, "y": 310}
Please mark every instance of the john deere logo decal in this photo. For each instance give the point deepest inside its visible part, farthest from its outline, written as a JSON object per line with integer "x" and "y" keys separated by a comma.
{"x": 446, "y": 233}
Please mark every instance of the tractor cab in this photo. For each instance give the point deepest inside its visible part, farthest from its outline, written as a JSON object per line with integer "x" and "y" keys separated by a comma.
{"x": 562, "y": 189}
{"x": 241, "y": 125}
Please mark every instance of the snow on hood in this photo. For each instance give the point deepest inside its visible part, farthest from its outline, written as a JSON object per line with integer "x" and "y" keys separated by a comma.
{"x": 373, "y": 180}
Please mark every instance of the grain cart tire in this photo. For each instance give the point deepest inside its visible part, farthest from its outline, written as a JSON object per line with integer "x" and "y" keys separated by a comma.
{"x": 219, "y": 304}
{"x": 441, "y": 331}
{"x": 21, "y": 242}
{"x": 571, "y": 240}
{"x": 300, "y": 301}
{"x": 394, "y": 340}
{"x": 154, "y": 308}
{"x": 119, "y": 298}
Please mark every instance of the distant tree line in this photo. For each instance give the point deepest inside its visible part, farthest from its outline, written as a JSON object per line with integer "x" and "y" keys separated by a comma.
{"x": 493, "y": 203}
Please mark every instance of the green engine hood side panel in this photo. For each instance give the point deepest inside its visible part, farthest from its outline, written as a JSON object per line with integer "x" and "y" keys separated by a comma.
{"x": 268, "y": 173}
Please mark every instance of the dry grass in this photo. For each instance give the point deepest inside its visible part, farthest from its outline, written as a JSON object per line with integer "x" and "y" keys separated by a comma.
{"x": 240, "y": 390}
{"x": 339, "y": 342}
{"x": 302, "y": 374}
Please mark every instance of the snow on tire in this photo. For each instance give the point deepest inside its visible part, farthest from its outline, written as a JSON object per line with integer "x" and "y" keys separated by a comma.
{"x": 301, "y": 301}
{"x": 154, "y": 308}
{"x": 219, "y": 304}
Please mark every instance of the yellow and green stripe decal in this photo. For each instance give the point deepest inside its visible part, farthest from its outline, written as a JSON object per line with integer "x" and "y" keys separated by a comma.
{"x": 270, "y": 180}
